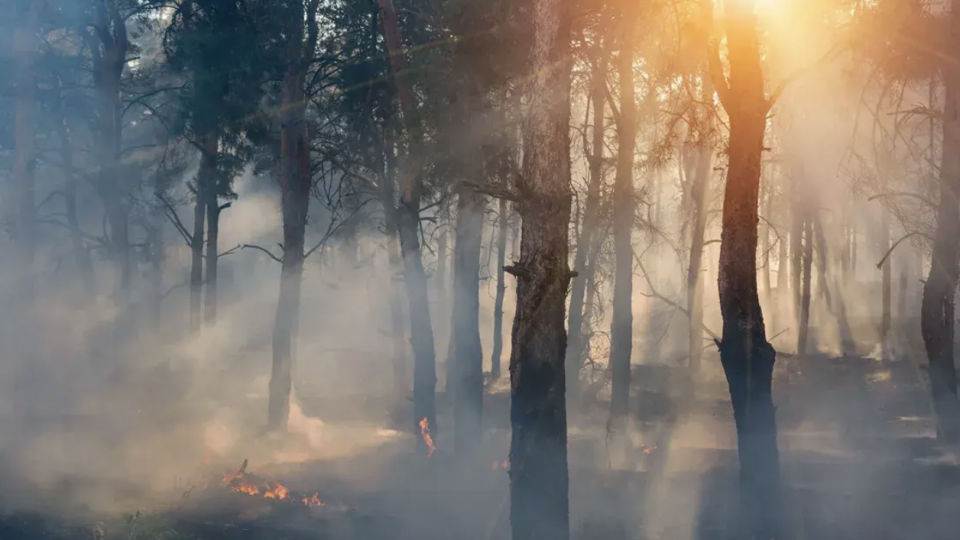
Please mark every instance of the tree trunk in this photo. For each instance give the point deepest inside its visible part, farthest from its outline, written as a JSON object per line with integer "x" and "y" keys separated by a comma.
{"x": 108, "y": 70}
{"x": 746, "y": 355}
{"x": 767, "y": 198}
{"x": 699, "y": 190}
{"x": 937, "y": 310}
{"x": 621, "y": 328}
{"x": 468, "y": 356}
{"x": 401, "y": 384}
{"x": 209, "y": 179}
{"x": 196, "y": 261}
{"x": 295, "y": 182}
{"x": 804, "y": 327}
{"x": 80, "y": 251}
{"x": 24, "y": 159}
{"x": 575, "y": 345}
{"x": 886, "y": 276}
{"x": 421, "y": 329}
{"x": 539, "y": 477}
{"x": 503, "y": 225}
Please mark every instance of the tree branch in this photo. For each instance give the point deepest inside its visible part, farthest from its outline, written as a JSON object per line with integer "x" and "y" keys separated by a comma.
{"x": 265, "y": 250}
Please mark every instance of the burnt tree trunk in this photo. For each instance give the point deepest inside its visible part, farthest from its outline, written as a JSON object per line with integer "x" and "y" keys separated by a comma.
{"x": 591, "y": 213}
{"x": 746, "y": 355}
{"x": 468, "y": 352}
{"x": 621, "y": 328}
{"x": 503, "y": 225}
{"x": 295, "y": 182}
{"x": 937, "y": 317}
{"x": 421, "y": 329}
{"x": 539, "y": 477}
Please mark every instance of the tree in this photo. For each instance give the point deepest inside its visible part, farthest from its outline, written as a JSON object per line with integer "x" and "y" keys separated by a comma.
{"x": 746, "y": 355}
{"x": 539, "y": 477}
{"x": 296, "y": 180}
{"x": 937, "y": 311}
{"x": 621, "y": 330}
{"x": 415, "y": 279}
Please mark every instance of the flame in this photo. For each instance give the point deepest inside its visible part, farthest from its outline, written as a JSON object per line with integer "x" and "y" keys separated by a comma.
{"x": 312, "y": 500}
{"x": 500, "y": 465}
{"x": 427, "y": 438}
{"x": 279, "y": 492}
{"x": 647, "y": 450}
{"x": 241, "y": 482}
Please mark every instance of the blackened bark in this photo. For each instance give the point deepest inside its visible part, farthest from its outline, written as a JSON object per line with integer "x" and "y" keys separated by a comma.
{"x": 468, "y": 355}
{"x": 421, "y": 329}
{"x": 746, "y": 355}
{"x": 591, "y": 213}
{"x": 621, "y": 328}
{"x": 796, "y": 245}
{"x": 804, "y": 331}
{"x": 503, "y": 224}
{"x": 539, "y": 477}
{"x": 937, "y": 312}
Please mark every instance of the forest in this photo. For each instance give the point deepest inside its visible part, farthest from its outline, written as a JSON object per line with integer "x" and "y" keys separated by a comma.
{"x": 498, "y": 270}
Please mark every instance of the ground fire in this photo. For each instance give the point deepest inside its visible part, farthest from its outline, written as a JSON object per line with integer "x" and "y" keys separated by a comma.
{"x": 249, "y": 484}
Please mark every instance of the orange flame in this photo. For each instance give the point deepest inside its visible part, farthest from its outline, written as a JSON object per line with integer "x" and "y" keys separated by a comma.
{"x": 240, "y": 482}
{"x": 647, "y": 450}
{"x": 500, "y": 465}
{"x": 427, "y": 438}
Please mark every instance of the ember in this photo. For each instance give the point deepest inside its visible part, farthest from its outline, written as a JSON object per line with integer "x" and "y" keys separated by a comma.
{"x": 248, "y": 484}
{"x": 427, "y": 438}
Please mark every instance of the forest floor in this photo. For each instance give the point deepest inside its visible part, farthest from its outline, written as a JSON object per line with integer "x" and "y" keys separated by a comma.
{"x": 858, "y": 455}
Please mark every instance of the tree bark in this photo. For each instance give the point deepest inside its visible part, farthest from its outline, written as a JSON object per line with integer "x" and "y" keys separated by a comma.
{"x": 295, "y": 182}
{"x": 886, "y": 277}
{"x": 699, "y": 189}
{"x": 591, "y": 213}
{"x": 468, "y": 352}
{"x": 421, "y": 329}
{"x": 937, "y": 312}
{"x": 503, "y": 225}
{"x": 539, "y": 477}
{"x": 209, "y": 176}
{"x": 804, "y": 328}
{"x": 108, "y": 70}
{"x": 621, "y": 328}
{"x": 24, "y": 159}
{"x": 401, "y": 384}
{"x": 196, "y": 260}
{"x": 746, "y": 355}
